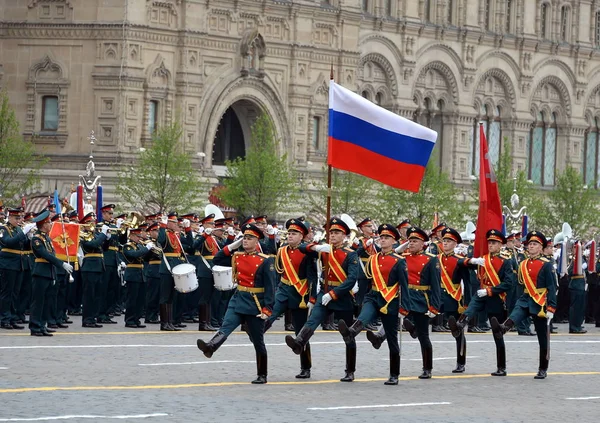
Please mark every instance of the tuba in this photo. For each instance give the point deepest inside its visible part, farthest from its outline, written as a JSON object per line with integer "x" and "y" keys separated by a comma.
{"x": 352, "y": 225}
{"x": 212, "y": 209}
{"x": 563, "y": 239}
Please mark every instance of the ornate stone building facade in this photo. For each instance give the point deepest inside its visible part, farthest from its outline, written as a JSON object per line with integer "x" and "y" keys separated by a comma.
{"x": 528, "y": 69}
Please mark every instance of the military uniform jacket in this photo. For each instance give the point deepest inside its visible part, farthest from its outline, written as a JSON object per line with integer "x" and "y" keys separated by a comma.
{"x": 424, "y": 282}
{"x": 255, "y": 276}
{"x": 268, "y": 245}
{"x": 206, "y": 246}
{"x": 454, "y": 269}
{"x": 364, "y": 252}
{"x": 111, "y": 249}
{"x": 172, "y": 249}
{"x": 46, "y": 262}
{"x": 503, "y": 267}
{"x": 296, "y": 273}
{"x": 390, "y": 269}
{"x": 93, "y": 255}
{"x": 576, "y": 282}
{"x": 13, "y": 253}
{"x": 538, "y": 276}
{"x": 153, "y": 262}
{"x": 134, "y": 255}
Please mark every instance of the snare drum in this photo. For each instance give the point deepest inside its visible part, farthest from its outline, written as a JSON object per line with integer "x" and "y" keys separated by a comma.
{"x": 185, "y": 278}
{"x": 223, "y": 277}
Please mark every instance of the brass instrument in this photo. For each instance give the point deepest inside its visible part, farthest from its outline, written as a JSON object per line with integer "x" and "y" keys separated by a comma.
{"x": 87, "y": 231}
{"x": 156, "y": 247}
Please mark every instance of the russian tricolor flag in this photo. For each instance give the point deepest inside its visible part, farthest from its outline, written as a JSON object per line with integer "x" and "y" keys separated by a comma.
{"x": 374, "y": 142}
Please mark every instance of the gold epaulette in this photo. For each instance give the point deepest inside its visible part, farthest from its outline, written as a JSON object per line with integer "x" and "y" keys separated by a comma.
{"x": 427, "y": 253}
{"x": 544, "y": 259}
{"x": 505, "y": 255}
{"x": 266, "y": 256}
{"x": 348, "y": 250}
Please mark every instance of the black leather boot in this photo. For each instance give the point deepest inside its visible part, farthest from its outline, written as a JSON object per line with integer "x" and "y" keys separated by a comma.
{"x": 349, "y": 333}
{"x": 350, "y": 364}
{"x": 261, "y": 369}
{"x": 461, "y": 353}
{"x": 297, "y": 344}
{"x": 500, "y": 329}
{"x": 305, "y": 363}
{"x": 543, "y": 369}
{"x": 204, "y": 315}
{"x": 457, "y": 327}
{"x": 427, "y": 354}
{"x": 394, "y": 369}
{"x": 411, "y": 328}
{"x": 213, "y": 345}
{"x": 500, "y": 360}
{"x": 376, "y": 338}
{"x": 164, "y": 319}
{"x": 287, "y": 321}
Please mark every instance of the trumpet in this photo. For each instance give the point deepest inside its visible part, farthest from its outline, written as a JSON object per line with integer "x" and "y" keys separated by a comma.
{"x": 156, "y": 247}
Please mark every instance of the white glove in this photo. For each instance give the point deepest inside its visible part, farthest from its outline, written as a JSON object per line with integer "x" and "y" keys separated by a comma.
{"x": 120, "y": 222}
{"x": 356, "y": 242}
{"x": 105, "y": 229}
{"x": 355, "y": 288}
{"x": 208, "y": 231}
{"x": 482, "y": 293}
{"x": 263, "y": 316}
{"x": 230, "y": 231}
{"x": 369, "y": 242}
{"x": 150, "y": 245}
{"x": 326, "y": 299}
{"x": 27, "y": 228}
{"x": 584, "y": 266}
{"x": 325, "y": 248}
{"x": 586, "y": 253}
{"x": 549, "y": 315}
{"x": 310, "y": 307}
{"x": 430, "y": 314}
{"x": 270, "y": 230}
{"x": 30, "y": 235}
{"x": 235, "y": 245}
{"x": 186, "y": 223}
{"x": 68, "y": 268}
{"x": 123, "y": 265}
{"x": 201, "y": 230}
{"x": 401, "y": 248}
{"x": 478, "y": 261}
{"x": 164, "y": 219}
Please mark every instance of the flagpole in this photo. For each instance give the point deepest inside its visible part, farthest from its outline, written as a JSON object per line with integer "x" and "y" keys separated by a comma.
{"x": 328, "y": 212}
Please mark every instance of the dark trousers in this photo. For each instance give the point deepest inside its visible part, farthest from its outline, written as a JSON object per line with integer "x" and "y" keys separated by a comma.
{"x": 135, "y": 303}
{"x": 51, "y": 297}
{"x": 421, "y": 322}
{"x": 255, "y": 328}
{"x": 206, "y": 287}
{"x": 113, "y": 290}
{"x": 179, "y": 305}
{"x": 24, "y": 301}
{"x": 577, "y": 309}
{"x": 321, "y": 312}
{"x": 166, "y": 289}
{"x": 218, "y": 306}
{"x": 540, "y": 324}
{"x": 10, "y": 284}
{"x": 91, "y": 282}
{"x": 41, "y": 295}
{"x": 61, "y": 298}
{"x": 75, "y": 293}
{"x": 563, "y": 301}
{"x": 594, "y": 303}
{"x": 461, "y": 341}
{"x": 102, "y": 292}
{"x": 152, "y": 291}
{"x": 369, "y": 314}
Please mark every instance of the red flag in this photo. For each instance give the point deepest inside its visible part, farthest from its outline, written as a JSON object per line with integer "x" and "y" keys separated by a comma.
{"x": 490, "y": 210}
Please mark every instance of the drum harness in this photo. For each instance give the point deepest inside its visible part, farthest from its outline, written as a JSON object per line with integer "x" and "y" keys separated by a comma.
{"x": 182, "y": 250}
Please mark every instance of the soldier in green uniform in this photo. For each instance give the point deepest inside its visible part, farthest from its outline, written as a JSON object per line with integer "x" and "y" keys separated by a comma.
{"x": 577, "y": 287}
{"x": 538, "y": 299}
{"x": 107, "y": 292}
{"x": 92, "y": 268}
{"x": 44, "y": 275}
{"x": 151, "y": 276}
{"x": 191, "y": 299}
{"x": 253, "y": 300}
{"x": 24, "y": 298}
{"x": 134, "y": 253}
{"x": 267, "y": 244}
{"x": 365, "y": 248}
{"x": 55, "y": 315}
{"x": 13, "y": 263}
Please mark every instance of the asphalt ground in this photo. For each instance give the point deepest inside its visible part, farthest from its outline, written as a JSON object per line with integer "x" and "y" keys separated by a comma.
{"x": 115, "y": 373}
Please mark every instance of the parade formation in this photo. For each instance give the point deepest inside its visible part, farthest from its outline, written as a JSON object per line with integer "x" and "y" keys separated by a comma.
{"x": 171, "y": 269}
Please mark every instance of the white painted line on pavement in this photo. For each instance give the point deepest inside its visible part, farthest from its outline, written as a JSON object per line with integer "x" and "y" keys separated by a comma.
{"x": 438, "y": 358}
{"x": 356, "y": 407}
{"x": 3, "y": 368}
{"x": 90, "y": 416}
{"x": 582, "y": 353}
{"x": 194, "y": 362}
{"x": 583, "y": 398}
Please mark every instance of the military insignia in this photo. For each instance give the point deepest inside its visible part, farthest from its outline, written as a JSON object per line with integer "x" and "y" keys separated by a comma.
{"x": 248, "y": 226}
{"x": 37, "y": 243}
{"x": 272, "y": 267}
{"x": 355, "y": 261}
{"x": 64, "y": 241}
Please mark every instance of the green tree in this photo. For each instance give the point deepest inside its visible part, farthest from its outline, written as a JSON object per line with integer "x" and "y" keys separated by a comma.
{"x": 436, "y": 193}
{"x": 19, "y": 163}
{"x": 163, "y": 177}
{"x": 262, "y": 182}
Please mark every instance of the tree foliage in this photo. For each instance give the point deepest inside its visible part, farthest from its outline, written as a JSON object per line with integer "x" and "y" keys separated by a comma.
{"x": 19, "y": 163}
{"x": 163, "y": 177}
{"x": 262, "y": 183}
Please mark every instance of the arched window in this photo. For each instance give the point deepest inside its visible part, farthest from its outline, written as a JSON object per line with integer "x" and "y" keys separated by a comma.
{"x": 492, "y": 127}
{"x": 437, "y": 124}
{"x": 590, "y": 154}
{"x": 388, "y": 7}
{"x": 427, "y": 10}
{"x": 365, "y": 5}
{"x": 508, "y": 17}
{"x": 50, "y": 116}
{"x": 450, "y": 13}
{"x": 379, "y": 99}
{"x": 597, "y": 33}
{"x": 487, "y": 14}
{"x": 565, "y": 23}
{"x": 365, "y": 94}
{"x": 542, "y": 150}
{"x": 545, "y": 20}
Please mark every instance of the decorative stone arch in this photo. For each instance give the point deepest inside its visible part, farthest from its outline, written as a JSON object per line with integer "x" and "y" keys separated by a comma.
{"x": 593, "y": 99}
{"x": 506, "y": 58}
{"x": 369, "y": 89}
{"x": 47, "y": 77}
{"x": 233, "y": 89}
{"x": 454, "y": 57}
{"x": 253, "y": 51}
{"x": 385, "y": 42}
{"x": 559, "y": 64}
{"x": 446, "y": 72}
{"x": 379, "y": 59}
{"x": 506, "y": 82}
{"x": 560, "y": 86}
{"x": 159, "y": 88}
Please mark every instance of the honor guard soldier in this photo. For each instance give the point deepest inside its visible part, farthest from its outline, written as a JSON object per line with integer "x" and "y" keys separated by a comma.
{"x": 134, "y": 253}
{"x": 424, "y": 285}
{"x": 92, "y": 268}
{"x": 496, "y": 279}
{"x": 191, "y": 299}
{"x": 252, "y": 302}
{"x": 538, "y": 300}
{"x": 513, "y": 242}
{"x": 24, "y": 299}
{"x": 435, "y": 244}
{"x": 387, "y": 299}
{"x": 152, "y": 276}
{"x": 402, "y": 228}
{"x": 107, "y": 293}
{"x": 44, "y": 275}
{"x": 365, "y": 248}
{"x": 335, "y": 293}
{"x": 267, "y": 244}
{"x": 297, "y": 276}
{"x": 170, "y": 243}
{"x": 13, "y": 263}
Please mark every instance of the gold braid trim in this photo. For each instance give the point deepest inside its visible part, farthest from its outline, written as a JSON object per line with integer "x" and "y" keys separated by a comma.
{"x": 278, "y": 268}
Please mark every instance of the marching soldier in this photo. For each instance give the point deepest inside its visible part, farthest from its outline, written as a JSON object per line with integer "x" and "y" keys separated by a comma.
{"x": 169, "y": 241}
{"x": 252, "y": 302}
{"x": 334, "y": 294}
{"x": 387, "y": 299}
{"x": 152, "y": 277}
{"x": 538, "y": 300}
{"x": 13, "y": 263}
{"x": 496, "y": 279}
{"x": 107, "y": 293}
{"x": 134, "y": 253}
{"x": 297, "y": 276}
{"x": 92, "y": 269}
{"x": 513, "y": 247}
{"x": 365, "y": 248}
{"x": 267, "y": 244}
{"x": 24, "y": 299}
{"x": 44, "y": 275}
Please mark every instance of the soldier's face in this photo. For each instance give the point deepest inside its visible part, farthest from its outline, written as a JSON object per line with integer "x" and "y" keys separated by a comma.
{"x": 494, "y": 246}
{"x": 107, "y": 215}
{"x": 154, "y": 234}
{"x": 448, "y": 245}
{"x": 46, "y": 227}
{"x": 415, "y": 245}
{"x": 249, "y": 243}
{"x": 336, "y": 237}
{"x": 386, "y": 242}
{"x": 294, "y": 238}
{"x": 534, "y": 248}
{"x": 368, "y": 229}
{"x": 15, "y": 219}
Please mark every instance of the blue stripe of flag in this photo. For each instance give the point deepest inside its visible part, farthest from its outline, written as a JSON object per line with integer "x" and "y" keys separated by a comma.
{"x": 396, "y": 146}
